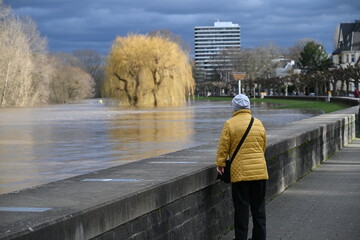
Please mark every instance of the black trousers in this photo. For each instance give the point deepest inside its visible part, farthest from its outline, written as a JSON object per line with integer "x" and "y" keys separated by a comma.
{"x": 249, "y": 194}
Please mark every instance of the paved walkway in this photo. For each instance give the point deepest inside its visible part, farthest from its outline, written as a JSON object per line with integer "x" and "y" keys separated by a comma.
{"x": 325, "y": 204}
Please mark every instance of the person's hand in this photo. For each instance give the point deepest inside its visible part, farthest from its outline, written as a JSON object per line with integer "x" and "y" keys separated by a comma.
{"x": 220, "y": 170}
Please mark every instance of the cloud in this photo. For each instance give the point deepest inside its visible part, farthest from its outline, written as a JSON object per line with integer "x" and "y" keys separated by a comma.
{"x": 70, "y": 25}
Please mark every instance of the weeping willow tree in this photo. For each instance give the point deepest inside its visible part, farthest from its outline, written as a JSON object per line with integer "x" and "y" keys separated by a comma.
{"x": 148, "y": 71}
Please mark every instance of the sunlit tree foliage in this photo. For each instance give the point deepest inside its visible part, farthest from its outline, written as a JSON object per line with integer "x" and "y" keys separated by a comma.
{"x": 145, "y": 70}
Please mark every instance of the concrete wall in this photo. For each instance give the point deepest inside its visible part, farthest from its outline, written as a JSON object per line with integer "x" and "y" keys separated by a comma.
{"x": 207, "y": 213}
{"x": 183, "y": 201}
{"x": 201, "y": 214}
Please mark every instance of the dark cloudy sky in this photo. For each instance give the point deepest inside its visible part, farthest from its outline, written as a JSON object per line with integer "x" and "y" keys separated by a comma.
{"x": 80, "y": 24}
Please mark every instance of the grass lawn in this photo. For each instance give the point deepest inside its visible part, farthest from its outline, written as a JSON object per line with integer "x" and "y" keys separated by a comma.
{"x": 289, "y": 103}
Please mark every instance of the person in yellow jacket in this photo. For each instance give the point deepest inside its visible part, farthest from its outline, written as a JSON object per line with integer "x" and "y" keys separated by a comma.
{"x": 248, "y": 170}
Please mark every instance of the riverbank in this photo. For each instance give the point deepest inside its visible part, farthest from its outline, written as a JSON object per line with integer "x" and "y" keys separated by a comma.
{"x": 325, "y": 107}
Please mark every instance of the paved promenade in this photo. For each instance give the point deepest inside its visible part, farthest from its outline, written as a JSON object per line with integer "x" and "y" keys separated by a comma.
{"x": 325, "y": 204}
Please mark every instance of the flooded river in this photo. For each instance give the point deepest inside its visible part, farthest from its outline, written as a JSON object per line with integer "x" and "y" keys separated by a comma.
{"x": 44, "y": 144}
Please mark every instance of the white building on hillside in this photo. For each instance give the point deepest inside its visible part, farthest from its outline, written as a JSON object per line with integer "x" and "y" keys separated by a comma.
{"x": 284, "y": 67}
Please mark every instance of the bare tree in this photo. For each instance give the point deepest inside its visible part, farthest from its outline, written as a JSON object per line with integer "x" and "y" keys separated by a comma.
{"x": 257, "y": 63}
{"x": 23, "y": 65}
{"x": 67, "y": 59}
{"x": 295, "y": 51}
{"x": 69, "y": 83}
{"x": 92, "y": 63}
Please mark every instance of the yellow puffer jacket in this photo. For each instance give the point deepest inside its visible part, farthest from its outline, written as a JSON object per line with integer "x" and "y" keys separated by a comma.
{"x": 249, "y": 163}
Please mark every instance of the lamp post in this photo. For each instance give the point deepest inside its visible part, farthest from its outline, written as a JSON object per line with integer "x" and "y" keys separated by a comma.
{"x": 358, "y": 124}
{"x": 239, "y": 76}
{"x": 239, "y": 86}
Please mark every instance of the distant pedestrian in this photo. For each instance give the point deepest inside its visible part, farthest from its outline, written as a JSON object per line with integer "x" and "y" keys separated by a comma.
{"x": 248, "y": 169}
{"x": 356, "y": 93}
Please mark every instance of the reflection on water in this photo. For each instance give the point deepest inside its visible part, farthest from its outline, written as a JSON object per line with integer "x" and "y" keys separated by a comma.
{"x": 147, "y": 133}
{"x": 44, "y": 144}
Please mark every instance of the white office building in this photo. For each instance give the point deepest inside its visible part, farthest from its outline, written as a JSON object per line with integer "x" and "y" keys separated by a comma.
{"x": 210, "y": 41}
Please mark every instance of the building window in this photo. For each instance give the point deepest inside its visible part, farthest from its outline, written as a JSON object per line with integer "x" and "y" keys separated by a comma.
{"x": 347, "y": 57}
{"x": 352, "y": 57}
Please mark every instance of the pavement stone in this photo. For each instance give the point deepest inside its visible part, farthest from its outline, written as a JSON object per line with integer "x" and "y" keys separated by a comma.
{"x": 323, "y": 205}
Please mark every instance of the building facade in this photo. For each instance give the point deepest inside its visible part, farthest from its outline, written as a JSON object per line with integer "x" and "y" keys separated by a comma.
{"x": 348, "y": 44}
{"x": 209, "y": 42}
{"x": 347, "y": 51}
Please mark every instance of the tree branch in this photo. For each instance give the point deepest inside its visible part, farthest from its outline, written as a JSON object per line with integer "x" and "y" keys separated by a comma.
{"x": 125, "y": 87}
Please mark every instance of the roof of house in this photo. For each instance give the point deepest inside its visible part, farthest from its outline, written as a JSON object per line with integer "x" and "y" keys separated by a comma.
{"x": 349, "y": 37}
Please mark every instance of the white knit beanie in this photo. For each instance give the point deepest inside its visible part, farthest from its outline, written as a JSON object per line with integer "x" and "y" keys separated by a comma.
{"x": 240, "y": 101}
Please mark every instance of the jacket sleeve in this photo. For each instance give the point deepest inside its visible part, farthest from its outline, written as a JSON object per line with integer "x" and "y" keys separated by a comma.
{"x": 264, "y": 143}
{"x": 223, "y": 147}
{"x": 263, "y": 135}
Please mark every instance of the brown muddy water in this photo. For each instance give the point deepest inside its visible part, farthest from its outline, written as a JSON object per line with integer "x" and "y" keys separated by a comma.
{"x": 43, "y": 144}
